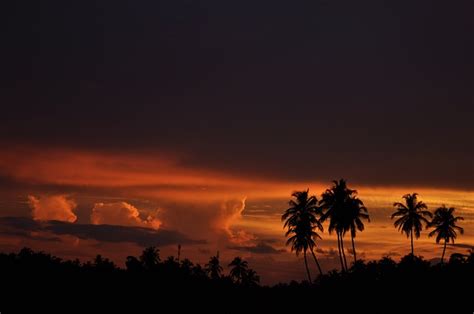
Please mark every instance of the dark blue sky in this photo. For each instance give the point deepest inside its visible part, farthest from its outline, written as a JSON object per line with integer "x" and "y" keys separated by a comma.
{"x": 376, "y": 91}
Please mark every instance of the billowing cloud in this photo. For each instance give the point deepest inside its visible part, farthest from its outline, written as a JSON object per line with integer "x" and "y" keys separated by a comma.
{"x": 217, "y": 220}
{"x": 123, "y": 214}
{"x": 229, "y": 213}
{"x": 53, "y": 207}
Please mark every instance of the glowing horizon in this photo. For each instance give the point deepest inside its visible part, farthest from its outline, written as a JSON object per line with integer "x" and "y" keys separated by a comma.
{"x": 233, "y": 214}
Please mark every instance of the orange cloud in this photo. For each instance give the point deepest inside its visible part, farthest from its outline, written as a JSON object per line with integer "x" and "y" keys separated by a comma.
{"x": 56, "y": 207}
{"x": 199, "y": 202}
{"x": 76, "y": 167}
{"x": 123, "y": 214}
{"x": 230, "y": 212}
{"x": 152, "y": 175}
{"x": 217, "y": 221}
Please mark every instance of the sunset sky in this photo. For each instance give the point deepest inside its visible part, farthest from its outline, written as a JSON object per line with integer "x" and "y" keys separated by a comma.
{"x": 129, "y": 124}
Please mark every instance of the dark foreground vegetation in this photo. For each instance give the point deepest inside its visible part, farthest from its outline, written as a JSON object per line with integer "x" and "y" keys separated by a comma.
{"x": 39, "y": 281}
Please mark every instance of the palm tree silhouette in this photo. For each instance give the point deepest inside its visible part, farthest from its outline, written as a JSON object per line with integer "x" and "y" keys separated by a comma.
{"x": 102, "y": 264}
{"x": 150, "y": 257}
{"x": 213, "y": 268}
{"x": 133, "y": 264}
{"x": 239, "y": 268}
{"x": 301, "y": 221}
{"x": 445, "y": 226}
{"x": 336, "y": 202}
{"x": 357, "y": 212}
{"x": 411, "y": 216}
{"x": 250, "y": 278}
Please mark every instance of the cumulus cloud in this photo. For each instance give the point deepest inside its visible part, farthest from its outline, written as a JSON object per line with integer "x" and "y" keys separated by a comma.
{"x": 122, "y": 214}
{"x": 216, "y": 220}
{"x": 53, "y": 207}
{"x": 230, "y": 212}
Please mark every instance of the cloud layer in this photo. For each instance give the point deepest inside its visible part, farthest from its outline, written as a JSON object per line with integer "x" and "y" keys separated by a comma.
{"x": 103, "y": 233}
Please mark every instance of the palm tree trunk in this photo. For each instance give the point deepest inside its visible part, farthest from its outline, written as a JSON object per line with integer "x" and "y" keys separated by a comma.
{"x": 339, "y": 251}
{"x": 306, "y": 265}
{"x": 343, "y": 253}
{"x": 444, "y": 250}
{"x": 317, "y": 262}
{"x": 354, "y": 249}
{"x": 411, "y": 239}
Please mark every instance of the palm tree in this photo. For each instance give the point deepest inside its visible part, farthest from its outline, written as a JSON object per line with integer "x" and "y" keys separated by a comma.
{"x": 301, "y": 221}
{"x": 411, "y": 216}
{"x": 445, "y": 226}
{"x": 213, "y": 268}
{"x": 102, "y": 264}
{"x": 250, "y": 278}
{"x": 186, "y": 266}
{"x": 357, "y": 212}
{"x": 150, "y": 257}
{"x": 335, "y": 201}
{"x": 133, "y": 264}
{"x": 239, "y": 268}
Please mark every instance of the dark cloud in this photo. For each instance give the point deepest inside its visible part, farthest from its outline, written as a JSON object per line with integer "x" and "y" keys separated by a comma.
{"x": 248, "y": 85}
{"x": 392, "y": 254}
{"x": 28, "y": 235}
{"x": 360, "y": 254}
{"x": 104, "y": 233}
{"x": 23, "y": 228}
{"x": 260, "y": 248}
{"x": 204, "y": 251}
{"x": 20, "y": 223}
{"x": 462, "y": 245}
{"x": 329, "y": 253}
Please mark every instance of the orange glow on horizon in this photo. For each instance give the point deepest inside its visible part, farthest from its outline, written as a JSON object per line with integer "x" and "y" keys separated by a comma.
{"x": 227, "y": 210}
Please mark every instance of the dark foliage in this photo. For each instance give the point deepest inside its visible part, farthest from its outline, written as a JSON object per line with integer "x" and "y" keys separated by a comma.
{"x": 40, "y": 280}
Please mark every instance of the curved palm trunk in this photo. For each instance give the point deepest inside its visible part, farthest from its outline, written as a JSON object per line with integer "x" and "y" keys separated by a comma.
{"x": 444, "y": 251}
{"x": 411, "y": 239}
{"x": 317, "y": 262}
{"x": 339, "y": 251}
{"x": 343, "y": 253}
{"x": 307, "y": 269}
{"x": 354, "y": 249}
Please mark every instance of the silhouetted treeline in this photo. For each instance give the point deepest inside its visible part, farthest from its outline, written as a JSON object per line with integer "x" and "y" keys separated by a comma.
{"x": 38, "y": 277}
{"x": 148, "y": 265}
